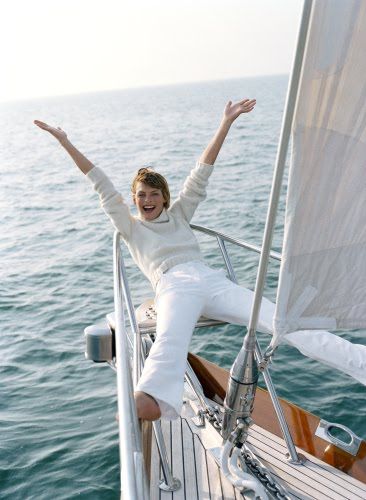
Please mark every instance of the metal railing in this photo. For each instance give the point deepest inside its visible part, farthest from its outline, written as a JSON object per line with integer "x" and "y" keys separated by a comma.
{"x": 134, "y": 482}
{"x": 224, "y": 237}
{"x": 132, "y": 474}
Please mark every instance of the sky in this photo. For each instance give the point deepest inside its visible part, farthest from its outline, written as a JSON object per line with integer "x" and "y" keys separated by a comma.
{"x": 64, "y": 47}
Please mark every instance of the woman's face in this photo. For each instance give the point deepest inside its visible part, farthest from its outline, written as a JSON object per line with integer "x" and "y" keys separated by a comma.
{"x": 149, "y": 201}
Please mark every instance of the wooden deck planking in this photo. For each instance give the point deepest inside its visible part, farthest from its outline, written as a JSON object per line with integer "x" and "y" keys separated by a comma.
{"x": 324, "y": 468}
{"x": 293, "y": 475}
{"x": 299, "y": 472}
{"x": 194, "y": 465}
{"x": 167, "y": 434}
{"x": 155, "y": 471}
{"x": 197, "y": 470}
{"x": 190, "y": 480}
{"x": 214, "y": 478}
{"x": 293, "y": 492}
{"x": 347, "y": 492}
{"x": 211, "y": 439}
{"x": 293, "y": 485}
{"x": 326, "y": 474}
{"x": 177, "y": 458}
{"x": 203, "y": 484}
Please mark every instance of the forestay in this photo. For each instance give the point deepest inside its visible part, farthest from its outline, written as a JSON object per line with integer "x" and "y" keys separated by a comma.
{"x": 323, "y": 272}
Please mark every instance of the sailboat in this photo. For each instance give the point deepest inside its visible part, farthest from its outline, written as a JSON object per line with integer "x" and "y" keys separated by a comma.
{"x": 234, "y": 440}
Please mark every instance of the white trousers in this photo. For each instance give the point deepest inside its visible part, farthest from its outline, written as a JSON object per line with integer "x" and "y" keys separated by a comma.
{"x": 183, "y": 294}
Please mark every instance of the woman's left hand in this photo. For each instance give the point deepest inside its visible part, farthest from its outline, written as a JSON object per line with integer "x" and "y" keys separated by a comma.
{"x": 232, "y": 111}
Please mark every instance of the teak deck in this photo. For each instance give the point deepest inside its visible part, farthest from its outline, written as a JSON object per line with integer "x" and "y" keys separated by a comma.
{"x": 302, "y": 424}
{"x": 191, "y": 453}
{"x": 191, "y": 462}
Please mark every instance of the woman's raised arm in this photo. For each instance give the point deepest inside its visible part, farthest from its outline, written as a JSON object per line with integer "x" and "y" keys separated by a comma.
{"x": 81, "y": 161}
{"x": 231, "y": 113}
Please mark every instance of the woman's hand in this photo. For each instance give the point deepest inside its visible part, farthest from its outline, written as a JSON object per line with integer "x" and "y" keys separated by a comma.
{"x": 81, "y": 161}
{"x": 56, "y": 132}
{"x": 232, "y": 111}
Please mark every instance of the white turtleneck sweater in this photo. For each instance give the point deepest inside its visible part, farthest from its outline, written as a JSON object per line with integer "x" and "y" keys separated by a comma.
{"x": 159, "y": 244}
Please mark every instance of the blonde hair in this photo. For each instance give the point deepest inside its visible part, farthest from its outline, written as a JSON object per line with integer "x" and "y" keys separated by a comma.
{"x": 148, "y": 176}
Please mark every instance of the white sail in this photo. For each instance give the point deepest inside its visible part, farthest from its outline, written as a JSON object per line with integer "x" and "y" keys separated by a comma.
{"x": 323, "y": 271}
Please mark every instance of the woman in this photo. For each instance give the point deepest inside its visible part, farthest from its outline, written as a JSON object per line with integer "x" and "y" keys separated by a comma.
{"x": 164, "y": 247}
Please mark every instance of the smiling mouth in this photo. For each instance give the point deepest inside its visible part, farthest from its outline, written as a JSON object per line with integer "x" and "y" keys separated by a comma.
{"x": 149, "y": 208}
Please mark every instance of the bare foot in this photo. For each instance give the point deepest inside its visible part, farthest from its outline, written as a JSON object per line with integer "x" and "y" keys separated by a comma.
{"x": 146, "y": 406}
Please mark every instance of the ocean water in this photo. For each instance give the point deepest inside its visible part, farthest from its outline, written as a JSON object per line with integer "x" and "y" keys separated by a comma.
{"x": 58, "y": 434}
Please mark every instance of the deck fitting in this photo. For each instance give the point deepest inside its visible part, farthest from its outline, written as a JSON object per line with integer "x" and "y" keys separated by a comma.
{"x": 176, "y": 484}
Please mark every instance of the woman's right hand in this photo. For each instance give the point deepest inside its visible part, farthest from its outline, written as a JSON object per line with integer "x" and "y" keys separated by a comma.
{"x": 56, "y": 132}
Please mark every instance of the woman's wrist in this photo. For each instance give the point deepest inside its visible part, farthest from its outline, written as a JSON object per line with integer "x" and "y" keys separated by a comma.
{"x": 226, "y": 123}
{"x": 64, "y": 142}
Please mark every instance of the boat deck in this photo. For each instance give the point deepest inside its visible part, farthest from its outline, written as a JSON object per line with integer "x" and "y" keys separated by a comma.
{"x": 312, "y": 480}
{"x": 191, "y": 453}
{"x": 192, "y": 463}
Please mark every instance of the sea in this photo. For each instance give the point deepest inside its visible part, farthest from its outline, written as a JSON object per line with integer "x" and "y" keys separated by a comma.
{"x": 58, "y": 434}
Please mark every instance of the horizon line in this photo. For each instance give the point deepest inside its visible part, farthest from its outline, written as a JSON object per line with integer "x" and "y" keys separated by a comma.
{"x": 136, "y": 87}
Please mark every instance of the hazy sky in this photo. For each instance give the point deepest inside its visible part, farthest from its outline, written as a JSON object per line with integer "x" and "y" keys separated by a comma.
{"x": 54, "y": 47}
